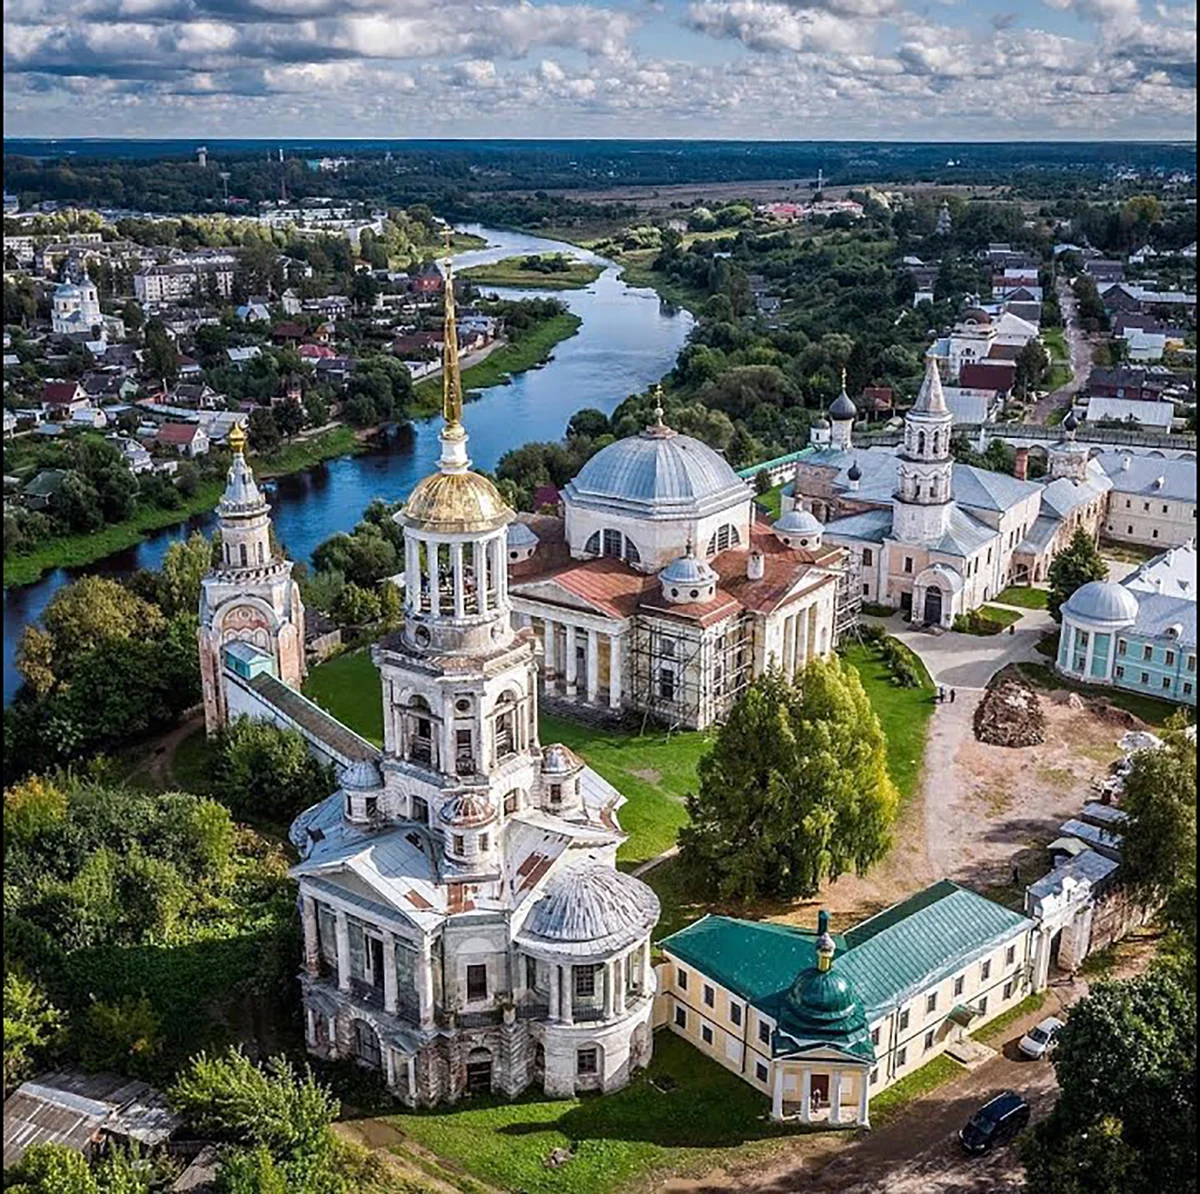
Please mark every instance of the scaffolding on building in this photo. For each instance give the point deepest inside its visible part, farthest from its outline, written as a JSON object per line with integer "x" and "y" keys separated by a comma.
{"x": 681, "y": 681}
{"x": 847, "y": 607}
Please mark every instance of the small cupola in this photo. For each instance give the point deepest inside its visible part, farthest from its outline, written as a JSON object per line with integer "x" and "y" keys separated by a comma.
{"x": 522, "y": 541}
{"x": 853, "y": 477}
{"x": 561, "y": 772}
{"x": 825, "y": 945}
{"x": 362, "y": 792}
{"x": 798, "y": 528}
{"x": 688, "y": 579}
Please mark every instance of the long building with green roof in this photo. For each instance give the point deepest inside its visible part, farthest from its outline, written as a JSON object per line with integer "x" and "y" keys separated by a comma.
{"x": 821, "y": 1021}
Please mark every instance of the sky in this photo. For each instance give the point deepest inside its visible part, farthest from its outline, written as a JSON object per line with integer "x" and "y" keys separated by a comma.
{"x": 761, "y": 69}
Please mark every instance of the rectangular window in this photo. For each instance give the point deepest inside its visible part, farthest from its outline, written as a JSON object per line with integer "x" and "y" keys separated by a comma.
{"x": 1010, "y": 955}
{"x": 587, "y": 1061}
{"x": 612, "y": 543}
{"x": 901, "y": 1057}
{"x": 706, "y": 1034}
{"x": 908, "y": 563}
{"x": 1187, "y": 688}
{"x": 1166, "y": 682}
{"x": 1145, "y": 677}
{"x": 1119, "y": 672}
{"x": 985, "y": 971}
{"x": 1148, "y": 653}
{"x": 866, "y": 590}
{"x": 585, "y": 981}
{"x": 1128, "y": 504}
{"x": 760, "y": 1070}
{"x": 510, "y": 801}
{"x": 680, "y": 1017}
{"x": 735, "y": 1013}
{"x": 929, "y": 1039}
{"x": 681, "y": 978}
{"x": 1191, "y": 663}
{"x": 904, "y": 1019}
{"x": 666, "y": 684}
{"x": 983, "y": 1005}
{"x": 931, "y": 1003}
{"x": 1081, "y": 638}
{"x": 958, "y": 985}
{"x": 464, "y": 755}
{"x": 483, "y": 843}
{"x": 477, "y": 987}
{"x": 867, "y": 556}
{"x": 556, "y": 793}
{"x": 1122, "y": 646}
{"x": 1168, "y": 659}
{"x": 1165, "y": 510}
{"x": 458, "y": 845}
{"x": 764, "y": 1032}
{"x": 874, "y": 1036}
{"x": 531, "y": 973}
{"x": 1008, "y": 989}
{"x": 874, "y": 1075}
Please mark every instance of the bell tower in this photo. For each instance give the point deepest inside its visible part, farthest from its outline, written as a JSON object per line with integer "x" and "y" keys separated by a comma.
{"x": 921, "y": 511}
{"x": 249, "y": 595}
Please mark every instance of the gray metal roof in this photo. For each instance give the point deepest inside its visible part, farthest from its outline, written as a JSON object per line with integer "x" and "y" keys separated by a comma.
{"x": 1139, "y": 474}
{"x": 964, "y": 535}
{"x": 1158, "y": 613}
{"x": 1102, "y": 601}
{"x": 872, "y": 526}
{"x": 986, "y": 490}
{"x": 1062, "y": 496}
{"x": 1039, "y": 535}
{"x": 1087, "y": 865}
{"x": 670, "y": 472}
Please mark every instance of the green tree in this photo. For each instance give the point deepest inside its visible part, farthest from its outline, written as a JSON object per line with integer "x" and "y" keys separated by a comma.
{"x": 1125, "y": 1065}
{"x": 183, "y": 568}
{"x": 76, "y": 503}
{"x": 795, "y": 790}
{"x": 289, "y": 418}
{"x": 1076, "y": 565}
{"x": 131, "y": 315}
{"x": 30, "y": 1023}
{"x": 50, "y": 1169}
{"x": 124, "y": 1036}
{"x": 263, "y": 431}
{"x": 1033, "y": 363}
{"x": 262, "y": 770}
{"x": 160, "y": 356}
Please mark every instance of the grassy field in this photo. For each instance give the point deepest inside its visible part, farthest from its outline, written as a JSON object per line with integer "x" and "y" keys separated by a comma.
{"x": 999, "y": 1026}
{"x": 636, "y": 271}
{"x": 532, "y": 348}
{"x": 1003, "y": 617}
{"x": 1150, "y": 709}
{"x": 904, "y": 714}
{"x": 771, "y": 501}
{"x": 1128, "y": 553}
{"x": 1025, "y": 596}
{"x": 348, "y": 686}
{"x": 682, "y": 1115}
{"x": 509, "y": 272}
{"x": 1060, "y": 358}
{"x": 890, "y": 1103}
{"x": 305, "y": 453}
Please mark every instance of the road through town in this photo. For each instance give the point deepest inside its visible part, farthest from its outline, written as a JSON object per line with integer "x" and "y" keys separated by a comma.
{"x": 1079, "y": 350}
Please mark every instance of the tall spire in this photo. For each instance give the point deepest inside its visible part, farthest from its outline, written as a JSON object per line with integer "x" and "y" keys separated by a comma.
{"x": 931, "y": 399}
{"x": 452, "y": 401}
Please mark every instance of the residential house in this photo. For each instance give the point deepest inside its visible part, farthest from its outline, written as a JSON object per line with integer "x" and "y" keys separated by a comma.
{"x": 1145, "y": 346}
{"x": 133, "y": 453}
{"x": 10, "y": 423}
{"x": 106, "y": 386}
{"x": 199, "y": 395}
{"x": 427, "y": 282}
{"x": 1122, "y": 381}
{"x": 254, "y": 310}
{"x": 992, "y": 374}
{"x": 89, "y": 416}
{"x": 335, "y": 368}
{"x": 188, "y": 439}
{"x": 39, "y": 493}
{"x": 241, "y": 357}
{"x": 315, "y": 352}
{"x": 417, "y": 343}
{"x": 971, "y": 406}
{"x": 1100, "y": 269}
{"x": 332, "y": 306}
{"x": 61, "y": 399}
{"x": 878, "y": 401}
{"x": 290, "y": 302}
{"x": 322, "y": 636}
{"x": 188, "y": 366}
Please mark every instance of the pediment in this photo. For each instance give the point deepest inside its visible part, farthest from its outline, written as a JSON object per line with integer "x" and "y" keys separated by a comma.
{"x": 553, "y": 593}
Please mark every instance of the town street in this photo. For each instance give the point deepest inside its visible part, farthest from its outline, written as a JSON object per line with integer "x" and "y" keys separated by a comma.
{"x": 1079, "y": 349}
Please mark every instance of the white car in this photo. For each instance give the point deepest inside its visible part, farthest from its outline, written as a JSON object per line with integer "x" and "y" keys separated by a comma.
{"x": 1037, "y": 1042}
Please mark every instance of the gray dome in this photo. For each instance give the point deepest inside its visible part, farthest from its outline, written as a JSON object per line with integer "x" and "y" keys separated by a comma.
{"x": 1102, "y": 601}
{"x": 520, "y": 534}
{"x": 797, "y": 522}
{"x": 592, "y": 908}
{"x": 843, "y": 408}
{"x": 468, "y": 810}
{"x": 687, "y": 570}
{"x": 821, "y": 422}
{"x": 659, "y": 469}
{"x": 855, "y": 473}
{"x": 559, "y": 760}
{"x": 362, "y": 776}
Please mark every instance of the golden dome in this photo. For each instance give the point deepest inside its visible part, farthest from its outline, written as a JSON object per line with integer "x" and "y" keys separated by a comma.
{"x": 459, "y": 503}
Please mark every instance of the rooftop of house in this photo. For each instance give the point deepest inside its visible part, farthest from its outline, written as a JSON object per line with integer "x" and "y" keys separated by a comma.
{"x": 179, "y": 433}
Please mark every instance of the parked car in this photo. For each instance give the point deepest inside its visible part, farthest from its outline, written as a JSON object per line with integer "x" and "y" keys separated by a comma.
{"x": 1037, "y": 1042}
{"x": 995, "y": 1123}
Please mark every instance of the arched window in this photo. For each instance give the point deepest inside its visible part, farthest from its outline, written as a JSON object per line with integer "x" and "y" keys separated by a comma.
{"x": 242, "y": 553}
{"x": 592, "y": 546}
{"x": 366, "y": 1044}
{"x": 611, "y": 542}
{"x": 921, "y": 443}
{"x": 936, "y": 444}
{"x": 506, "y": 725}
{"x": 726, "y": 536}
{"x": 632, "y": 555}
{"x": 260, "y": 551}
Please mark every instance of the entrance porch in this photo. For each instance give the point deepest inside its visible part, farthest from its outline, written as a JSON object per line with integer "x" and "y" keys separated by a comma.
{"x": 818, "y": 1092}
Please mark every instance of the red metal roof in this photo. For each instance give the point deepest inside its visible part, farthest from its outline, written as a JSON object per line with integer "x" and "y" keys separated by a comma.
{"x": 178, "y": 433}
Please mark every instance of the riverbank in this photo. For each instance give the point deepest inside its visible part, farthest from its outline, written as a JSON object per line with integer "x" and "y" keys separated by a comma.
{"x": 75, "y": 551}
{"x": 533, "y": 349}
{"x": 513, "y": 273}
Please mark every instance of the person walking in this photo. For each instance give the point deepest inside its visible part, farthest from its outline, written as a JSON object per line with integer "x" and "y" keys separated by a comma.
{"x": 952, "y": 696}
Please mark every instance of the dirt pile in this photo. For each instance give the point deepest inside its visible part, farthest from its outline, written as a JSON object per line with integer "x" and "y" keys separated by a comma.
{"x": 1010, "y": 713}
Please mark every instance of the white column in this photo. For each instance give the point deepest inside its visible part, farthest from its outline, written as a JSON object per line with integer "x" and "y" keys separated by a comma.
{"x": 835, "y": 1098}
{"x": 312, "y": 944}
{"x": 614, "y": 671}
{"x": 789, "y": 644}
{"x": 389, "y": 1062}
{"x": 569, "y": 649}
{"x": 801, "y": 655}
{"x": 806, "y": 1095}
{"x": 549, "y": 653}
{"x": 593, "y": 666}
{"x": 1091, "y": 650}
{"x": 811, "y": 650}
{"x": 412, "y": 1077}
{"x": 343, "y": 949}
{"x": 425, "y": 982}
{"x": 864, "y": 1094}
{"x": 619, "y": 972}
{"x": 389, "y": 972}
{"x": 777, "y": 1093}
{"x": 1070, "y": 664}
{"x": 568, "y": 995}
{"x": 555, "y": 991}
{"x": 456, "y": 563}
{"x": 647, "y": 969}
{"x": 479, "y": 555}
{"x": 412, "y": 573}
{"x": 500, "y": 547}
{"x": 435, "y": 597}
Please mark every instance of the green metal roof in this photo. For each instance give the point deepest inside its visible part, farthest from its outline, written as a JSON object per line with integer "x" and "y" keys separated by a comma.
{"x": 886, "y": 958}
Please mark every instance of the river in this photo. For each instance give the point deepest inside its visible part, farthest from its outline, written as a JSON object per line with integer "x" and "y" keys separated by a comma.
{"x": 627, "y": 341}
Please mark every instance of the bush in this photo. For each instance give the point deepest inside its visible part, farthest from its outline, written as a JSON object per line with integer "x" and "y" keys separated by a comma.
{"x": 263, "y": 771}
{"x": 124, "y": 1036}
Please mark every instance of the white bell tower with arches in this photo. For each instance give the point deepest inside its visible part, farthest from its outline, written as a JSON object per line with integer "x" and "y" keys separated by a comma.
{"x": 925, "y": 466}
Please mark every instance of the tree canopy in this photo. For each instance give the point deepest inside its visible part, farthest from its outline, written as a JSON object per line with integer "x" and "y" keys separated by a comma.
{"x": 795, "y": 790}
{"x": 1077, "y": 564}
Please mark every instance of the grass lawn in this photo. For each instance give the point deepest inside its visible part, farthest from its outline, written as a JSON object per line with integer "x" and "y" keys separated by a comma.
{"x": 304, "y": 453}
{"x": 509, "y": 272}
{"x": 534, "y": 346}
{"x": 348, "y": 686}
{"x": 771, "y": 501}
{"x": 654, "y": 770}
{"x": 1128, "y": 553}
{"x": 190, "y": 768}
{"x": 1003, "y": 617}
{"x": 1150, "y": 709}
{"x": 1060, "y": 358}
{"x": 904, "y": 714}
{"x": 618, "y": 1139}
{"x": 1025, "y": 596}
{"x": 999, "y": 1026}
{"x": 894, "y": 1101}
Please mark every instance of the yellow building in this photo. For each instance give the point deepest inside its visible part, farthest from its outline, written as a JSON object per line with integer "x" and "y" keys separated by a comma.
{"x": 820, "y": 1022}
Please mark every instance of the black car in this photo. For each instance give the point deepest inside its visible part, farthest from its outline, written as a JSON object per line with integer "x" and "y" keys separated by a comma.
{"x": 995, "y": 1123}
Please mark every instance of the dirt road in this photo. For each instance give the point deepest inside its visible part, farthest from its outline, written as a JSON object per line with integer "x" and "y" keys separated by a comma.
{"x": 1079, "y": 349}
